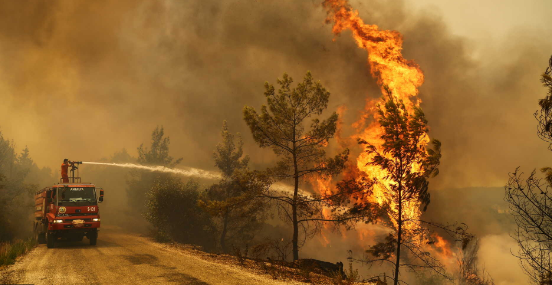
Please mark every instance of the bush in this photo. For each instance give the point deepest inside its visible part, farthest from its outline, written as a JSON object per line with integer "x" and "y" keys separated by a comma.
{"x": 174, "y": 212}
{"x": 10, "y": 251}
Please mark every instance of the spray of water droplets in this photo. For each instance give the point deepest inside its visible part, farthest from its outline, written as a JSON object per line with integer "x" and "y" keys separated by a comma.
{"x": 190, "y": 172}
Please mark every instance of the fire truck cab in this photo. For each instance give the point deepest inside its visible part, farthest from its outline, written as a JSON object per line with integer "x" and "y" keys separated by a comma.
{"x": 67, "y": 211}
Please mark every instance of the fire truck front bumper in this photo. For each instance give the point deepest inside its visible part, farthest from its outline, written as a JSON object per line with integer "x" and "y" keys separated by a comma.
{"x": 69, "y": 225}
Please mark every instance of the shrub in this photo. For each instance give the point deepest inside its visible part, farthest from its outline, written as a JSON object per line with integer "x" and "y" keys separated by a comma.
{"x": 174, "y": 212}
{"x": 10, "y": 251}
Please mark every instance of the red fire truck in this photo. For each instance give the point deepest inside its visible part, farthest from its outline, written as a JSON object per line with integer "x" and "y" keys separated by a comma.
{"x": 68, "y": 211}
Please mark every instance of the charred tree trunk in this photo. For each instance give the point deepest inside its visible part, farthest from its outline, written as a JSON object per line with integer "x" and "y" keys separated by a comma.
{"x": 224, "y": 231}
{"x": 399, "y": 226}
{"x": 295, "y": 240}
{"x": 399, "y": 235}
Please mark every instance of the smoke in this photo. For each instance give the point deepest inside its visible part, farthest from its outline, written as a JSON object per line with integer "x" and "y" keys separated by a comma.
{"x": 82, "y": 79}
{"x": 95, "y": 82}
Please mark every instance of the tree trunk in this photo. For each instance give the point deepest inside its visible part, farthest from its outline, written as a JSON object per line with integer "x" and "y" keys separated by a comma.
{"x": 399, "y": 235}
{"x": 223, "y": 234}
{"x": 295, "y": 240}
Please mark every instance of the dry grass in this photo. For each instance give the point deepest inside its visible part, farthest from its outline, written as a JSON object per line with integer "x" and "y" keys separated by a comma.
{"x": 277, "y": 270}
{"x": 9, "y": 251}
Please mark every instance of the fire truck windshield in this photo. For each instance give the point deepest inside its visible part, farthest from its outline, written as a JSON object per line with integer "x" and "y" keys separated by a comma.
{"x": 76, "y": 196}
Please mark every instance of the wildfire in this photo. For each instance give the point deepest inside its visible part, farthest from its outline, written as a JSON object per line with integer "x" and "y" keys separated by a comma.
{"x": 443, "y": 245}
{"x": 402, "y": 77}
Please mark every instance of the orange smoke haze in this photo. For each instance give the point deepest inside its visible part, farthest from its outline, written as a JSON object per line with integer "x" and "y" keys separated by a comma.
{"x": 83, "y": 79}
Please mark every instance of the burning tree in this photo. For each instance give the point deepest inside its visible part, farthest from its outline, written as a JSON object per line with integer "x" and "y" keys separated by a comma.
{"x": 397, "y": 159}
{"x": 407, "y": 164}
{"x": 467, "y": 260}
{"x": 280, "y": 126}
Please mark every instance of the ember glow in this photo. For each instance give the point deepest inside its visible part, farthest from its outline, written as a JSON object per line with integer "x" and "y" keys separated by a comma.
{"x": 443, "y": 246}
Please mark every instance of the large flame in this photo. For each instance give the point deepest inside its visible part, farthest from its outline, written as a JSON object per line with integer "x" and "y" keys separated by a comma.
{"x": 402, "y": 77}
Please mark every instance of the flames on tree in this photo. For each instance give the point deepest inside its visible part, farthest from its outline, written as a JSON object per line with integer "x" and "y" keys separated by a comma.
{"x": 402, "y": 78}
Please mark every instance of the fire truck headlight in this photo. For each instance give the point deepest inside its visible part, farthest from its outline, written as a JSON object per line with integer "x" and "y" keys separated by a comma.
{"x": 96, "y": 220}
{"x": 58, "y": 221}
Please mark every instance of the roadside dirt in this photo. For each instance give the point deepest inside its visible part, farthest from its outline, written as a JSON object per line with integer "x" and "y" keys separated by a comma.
{"x": 122, "y": 258}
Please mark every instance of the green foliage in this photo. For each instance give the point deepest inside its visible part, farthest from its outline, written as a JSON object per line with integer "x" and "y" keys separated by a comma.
{"x": 17, "y": 171}
{"x": 228, "y": 157}
{"x": 141, "y": 182}
{"x": 173, "y": 210}
{"x": 234, "y": 202}
{"x": 158, "y": 152}
{"x": 236, "y": 207}
{"x": 280, "y": 125}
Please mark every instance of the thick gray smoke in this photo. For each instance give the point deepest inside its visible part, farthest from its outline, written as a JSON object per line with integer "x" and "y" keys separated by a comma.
{"x": 82, "y": 79}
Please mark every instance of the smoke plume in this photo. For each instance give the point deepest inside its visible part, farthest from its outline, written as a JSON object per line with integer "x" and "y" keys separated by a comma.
{"x": 83, "y": 79}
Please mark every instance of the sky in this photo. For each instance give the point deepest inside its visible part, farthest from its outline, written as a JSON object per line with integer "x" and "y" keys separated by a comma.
{"x": 84, "y": 79}
{"x": 489, "y": 19}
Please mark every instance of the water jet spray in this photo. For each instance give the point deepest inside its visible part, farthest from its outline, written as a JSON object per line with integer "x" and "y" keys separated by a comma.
{"x": 190, "y": 172}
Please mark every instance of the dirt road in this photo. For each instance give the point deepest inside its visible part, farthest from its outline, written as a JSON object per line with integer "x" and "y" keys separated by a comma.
{"x": 121, "y": 258}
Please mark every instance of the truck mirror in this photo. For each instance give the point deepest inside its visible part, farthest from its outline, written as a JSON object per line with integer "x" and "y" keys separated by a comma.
{"x": 101, "y": 199}
{"x": 101, "y": 195}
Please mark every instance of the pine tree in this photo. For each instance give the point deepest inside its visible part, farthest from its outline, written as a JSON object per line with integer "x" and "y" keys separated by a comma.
{"x": 235, "y": 201}
{"x": 141, "y": 182}
{"x": 281, "y": 127}
{"x": 408, "y": 164}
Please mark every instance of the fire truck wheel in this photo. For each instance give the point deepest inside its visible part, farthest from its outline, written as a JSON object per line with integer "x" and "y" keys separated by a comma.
{"x": 41, "y": 238}
{"x": 93, "y": 237}
{"x": 50, "y": 240}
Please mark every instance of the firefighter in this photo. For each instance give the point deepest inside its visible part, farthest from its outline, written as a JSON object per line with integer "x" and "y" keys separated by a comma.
{"x": 64, "y": 169}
